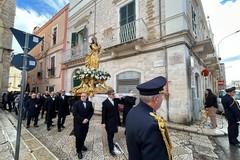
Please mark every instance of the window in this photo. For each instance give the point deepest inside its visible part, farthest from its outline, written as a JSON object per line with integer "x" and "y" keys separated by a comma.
{"x": 35, "y": 89}
{"x": 51, "y": 70}
{"x": 54, "y": 36}
{"x": 194, "y": 24}
{"x": 50, "y": 88}
{"x": 127, "y": 80}
{"x": 40, "y": 71}
{"x": 40, "y": 66}
{"x": 127, "y": 22}
{"x": 78, "y": 43}
{"x": 42, "y": 45}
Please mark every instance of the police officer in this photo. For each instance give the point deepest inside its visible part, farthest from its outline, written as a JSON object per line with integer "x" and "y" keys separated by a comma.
{"x": 144, "y": 138}
{"x": 232, "y": 114}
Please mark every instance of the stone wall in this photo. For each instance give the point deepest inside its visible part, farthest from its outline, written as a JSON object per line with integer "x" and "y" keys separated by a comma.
{"x": 7, "y": 14}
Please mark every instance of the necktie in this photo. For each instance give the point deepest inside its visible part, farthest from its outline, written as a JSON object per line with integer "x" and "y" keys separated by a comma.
{"x": 84, "y": 104}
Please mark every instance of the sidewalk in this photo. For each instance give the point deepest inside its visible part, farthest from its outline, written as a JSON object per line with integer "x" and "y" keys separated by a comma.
{"x": 203, "y": 129}
{"x": 30, "y": 147}
{"x": 188, "y": 142}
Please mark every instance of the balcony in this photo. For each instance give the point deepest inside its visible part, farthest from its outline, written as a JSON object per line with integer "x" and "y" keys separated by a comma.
{"x": 74, "y": 53}
{"x": 39, "y": 74}
{"x": 203, "y": 42}
{"x": 133, "y": 31}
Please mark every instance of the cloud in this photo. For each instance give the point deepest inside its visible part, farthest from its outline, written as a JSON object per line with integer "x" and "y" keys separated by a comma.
{"x": 56, "y": 4}
{"x": 26, "y": 20}
{"x": 30, "y": 15}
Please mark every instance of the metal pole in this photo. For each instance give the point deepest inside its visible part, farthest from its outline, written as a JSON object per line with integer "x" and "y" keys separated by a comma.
{"x": 21, "y": 96}
{"x": 225, "y": 38}
{"x": 94, "y": 18}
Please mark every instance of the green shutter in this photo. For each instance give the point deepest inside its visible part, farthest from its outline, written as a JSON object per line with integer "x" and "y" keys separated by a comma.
{"x": 74, "y": 39}
{"x": 127, "y": 13}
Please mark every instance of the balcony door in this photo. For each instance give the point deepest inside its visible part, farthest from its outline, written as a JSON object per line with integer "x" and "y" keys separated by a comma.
{"x": 127, "y": 22}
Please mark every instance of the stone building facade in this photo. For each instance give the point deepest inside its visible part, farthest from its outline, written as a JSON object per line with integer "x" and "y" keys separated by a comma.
{"x": 140, "y": 40}
{"x": 143, "y": 39}
{"x": 7, "y": 15}
{"x": 47, "y": 76}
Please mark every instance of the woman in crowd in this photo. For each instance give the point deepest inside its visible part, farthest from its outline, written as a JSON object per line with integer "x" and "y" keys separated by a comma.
{"x": 211, "y": 106}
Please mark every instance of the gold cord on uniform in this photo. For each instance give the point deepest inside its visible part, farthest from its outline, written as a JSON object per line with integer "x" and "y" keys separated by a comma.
{"x": 164, "y": 131}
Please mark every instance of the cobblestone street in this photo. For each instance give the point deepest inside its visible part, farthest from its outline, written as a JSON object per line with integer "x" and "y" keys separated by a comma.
{"x": 62, "y": 145}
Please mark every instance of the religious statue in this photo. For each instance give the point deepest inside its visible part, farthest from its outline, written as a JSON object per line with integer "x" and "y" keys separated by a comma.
{"x": 92, "y": 78}
{"x": 92, "y": 59}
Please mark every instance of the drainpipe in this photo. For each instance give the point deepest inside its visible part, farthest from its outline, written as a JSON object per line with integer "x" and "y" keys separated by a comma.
{"x": 64, "y": 48}
{"x": 160, "y": 19}
{"x": 166, "y": 73}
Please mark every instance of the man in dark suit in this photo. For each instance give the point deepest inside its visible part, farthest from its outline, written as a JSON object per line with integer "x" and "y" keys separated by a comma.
{"x": 62, "y": 109}
{"x": 129, "y": 102}
{"x": 232, "y": 114}
{"x": 82, "y": 113}
{"x": 32, "y": 106}
{"x": 110, "y": 118}
{"x": 144, "y": 138}
{"x": 50, "y": 106}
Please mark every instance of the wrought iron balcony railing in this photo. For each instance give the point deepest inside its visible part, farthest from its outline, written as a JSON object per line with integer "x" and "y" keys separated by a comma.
{"x": 126, "y": 33}
{"x": 111, "y": 37}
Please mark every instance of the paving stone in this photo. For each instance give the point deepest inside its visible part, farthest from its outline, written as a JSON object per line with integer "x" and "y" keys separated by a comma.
{"x": 43, "y": 154}
{"x": 33, "y": 144}
{"x": 186, "y": 145}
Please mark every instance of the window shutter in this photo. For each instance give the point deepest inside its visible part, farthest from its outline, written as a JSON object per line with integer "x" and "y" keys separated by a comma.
{"x": 74, "y": 39}
{"x": 85, "y": 33}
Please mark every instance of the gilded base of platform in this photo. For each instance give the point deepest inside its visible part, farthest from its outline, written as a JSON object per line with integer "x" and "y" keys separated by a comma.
{"x": 91, "y": 86}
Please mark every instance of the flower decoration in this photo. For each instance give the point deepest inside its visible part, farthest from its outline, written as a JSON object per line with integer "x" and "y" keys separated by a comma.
{"x": 91, "y": 73}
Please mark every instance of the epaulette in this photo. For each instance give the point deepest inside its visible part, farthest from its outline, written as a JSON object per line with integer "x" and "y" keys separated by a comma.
{"x": 164, "y": 131}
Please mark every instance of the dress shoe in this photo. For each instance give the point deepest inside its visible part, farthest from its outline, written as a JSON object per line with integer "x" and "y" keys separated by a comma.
{"x": 63, "y": 126}
{"x": 59, "y": 130}
{"x": 80, "y": 156}
{"x": 52, "y": 125}
{"x": 84, "y": 148}
{"x": 236, "y": 144}
{"x": 28, "y": 126}
{"x": 36, "y": 125}
{"x": 113, "y": 153}
{"x": 48, "y": 129}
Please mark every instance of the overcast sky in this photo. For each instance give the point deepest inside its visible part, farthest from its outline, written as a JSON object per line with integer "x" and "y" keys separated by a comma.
{"x": 224, "y": 19}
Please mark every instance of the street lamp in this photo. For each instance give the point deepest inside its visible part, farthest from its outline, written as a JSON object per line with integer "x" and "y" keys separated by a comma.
{"x": 225, "y": 38}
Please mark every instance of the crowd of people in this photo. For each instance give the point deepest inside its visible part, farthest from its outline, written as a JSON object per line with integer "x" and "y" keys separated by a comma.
{"x": 146, "y": 133}
{"x": 36, "y": 105}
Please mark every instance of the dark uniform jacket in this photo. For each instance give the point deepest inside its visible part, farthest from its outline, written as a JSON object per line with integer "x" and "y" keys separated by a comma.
{"x": 110, "y": 115}
{"x": 231, "y": 108}
{"x": 144, "y": 139}
{"x": 79, "y": 114}
{"x": 62, "y": 106}
{"x": 50, "y": 106}
{"x": 31, "y": 106}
